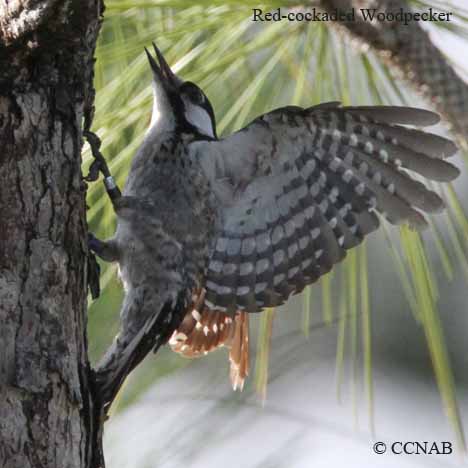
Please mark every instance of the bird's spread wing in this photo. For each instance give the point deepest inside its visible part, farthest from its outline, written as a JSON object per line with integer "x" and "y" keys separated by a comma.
{"x": 298, "y": 187}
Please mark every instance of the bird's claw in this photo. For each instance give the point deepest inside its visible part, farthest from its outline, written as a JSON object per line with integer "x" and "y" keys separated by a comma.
{"x": 94, "y": 171}
{"x": 99, "y": 164}
{"x": 93, "y": 242}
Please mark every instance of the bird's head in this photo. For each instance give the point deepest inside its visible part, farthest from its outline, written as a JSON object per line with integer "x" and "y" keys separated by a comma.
{"x": 177, "y": 103}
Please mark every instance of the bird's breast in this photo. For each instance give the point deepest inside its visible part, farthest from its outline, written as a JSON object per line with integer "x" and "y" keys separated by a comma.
{"x": 179, "y": 204}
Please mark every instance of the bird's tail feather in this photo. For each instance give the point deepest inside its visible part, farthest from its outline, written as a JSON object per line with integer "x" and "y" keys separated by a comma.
{"x": 204, "y": 330}
{"x": 126, "y": 352}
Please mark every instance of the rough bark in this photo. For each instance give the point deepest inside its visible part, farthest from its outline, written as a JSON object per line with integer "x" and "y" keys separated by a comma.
{"x": 46, "y": 93}
{"x": 410, "y": 51}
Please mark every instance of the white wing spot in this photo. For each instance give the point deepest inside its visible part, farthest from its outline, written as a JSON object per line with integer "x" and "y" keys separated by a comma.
{"x": 229, "y": 268}
{"x": 216, "y": 266}
{"x": 292, "y": 271}
{"x": 277, "y": 235}
{"x": 383, "y": 155}
{"x": 315, "y": 189}
{"x": 224, "y": 290}
{"x": 334, "y": 192}
{"x": 344, "y": 210}
{"x": 349, "y": 157}
{"x": 353, "y": 139}
{"x": 277, "y": 279}
{"x": 303, "y": 242}
{"x": 310, "y": 210}
{"x": 292, "y": 249}
{"x": 221, "y": 245}
{"x": 248, "y": 246}
{"x": 323, "y": 206}
{"x": 315, "y": 233}
{"x": 245, "y": 269}
{"x": 242, "y": 290}
{"x": 347, "y": 175}
{"x": 334, "y": 164}
{"x": 278, "y": 257}
{"x": 369, "y": 147}
{"x": 262, "y": 265}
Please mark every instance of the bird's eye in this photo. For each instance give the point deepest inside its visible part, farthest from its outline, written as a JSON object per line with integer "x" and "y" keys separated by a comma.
{"x": 193, "y": 92}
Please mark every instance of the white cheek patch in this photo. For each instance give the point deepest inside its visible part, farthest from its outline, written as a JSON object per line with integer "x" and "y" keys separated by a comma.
{"x": 198, "y": 117}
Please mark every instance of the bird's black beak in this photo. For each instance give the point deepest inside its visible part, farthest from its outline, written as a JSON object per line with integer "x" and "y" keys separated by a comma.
{"x": 161, "y": 72}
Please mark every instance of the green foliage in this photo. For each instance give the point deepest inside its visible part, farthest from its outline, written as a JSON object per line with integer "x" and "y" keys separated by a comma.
{"x": 247, "y": 69}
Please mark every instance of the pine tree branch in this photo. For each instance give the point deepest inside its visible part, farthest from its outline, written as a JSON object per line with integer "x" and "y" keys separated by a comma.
{"x": 409, "y": 51}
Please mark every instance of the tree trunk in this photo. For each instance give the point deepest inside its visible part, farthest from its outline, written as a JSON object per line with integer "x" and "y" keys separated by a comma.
{"x": 46, "y": 94}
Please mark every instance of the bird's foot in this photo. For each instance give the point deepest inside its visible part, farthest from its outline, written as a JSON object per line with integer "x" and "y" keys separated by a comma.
{"x": 94, "y": 244}
{"x": 99, "y": 165}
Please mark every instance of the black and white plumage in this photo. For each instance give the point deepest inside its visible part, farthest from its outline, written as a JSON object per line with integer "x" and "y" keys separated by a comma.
{"x": 299, "y": 187}
{"x": 230, "y": 226}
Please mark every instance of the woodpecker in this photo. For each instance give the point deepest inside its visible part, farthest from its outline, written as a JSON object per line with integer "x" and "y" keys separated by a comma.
{"x": 211, "y": 229}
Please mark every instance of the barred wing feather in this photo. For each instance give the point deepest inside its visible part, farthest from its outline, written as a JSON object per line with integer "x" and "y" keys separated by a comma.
{"x": 298, "y": 187}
